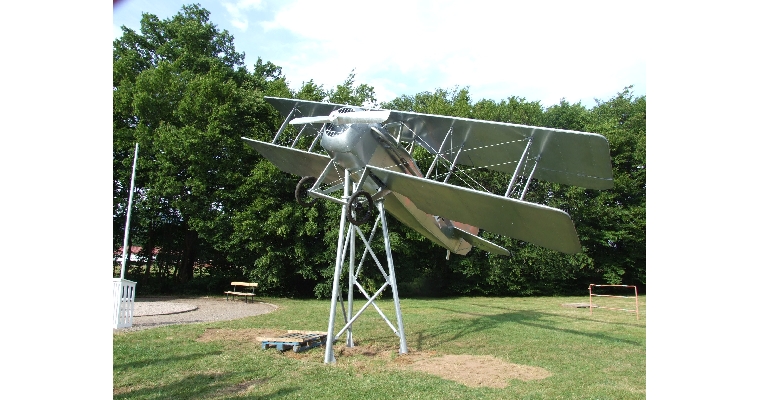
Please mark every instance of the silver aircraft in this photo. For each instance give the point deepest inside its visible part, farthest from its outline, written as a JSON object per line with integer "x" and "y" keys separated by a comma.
{"x": 368, "y": 154}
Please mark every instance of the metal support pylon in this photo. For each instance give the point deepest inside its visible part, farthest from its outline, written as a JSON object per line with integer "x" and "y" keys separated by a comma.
{"x": 347, "y": 241}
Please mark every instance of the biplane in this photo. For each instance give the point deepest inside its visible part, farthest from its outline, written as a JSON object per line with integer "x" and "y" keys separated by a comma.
{"x": 365, "y": 163}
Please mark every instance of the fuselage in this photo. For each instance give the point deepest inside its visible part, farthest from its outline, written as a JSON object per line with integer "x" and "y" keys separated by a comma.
{"x": 354, "y": 146}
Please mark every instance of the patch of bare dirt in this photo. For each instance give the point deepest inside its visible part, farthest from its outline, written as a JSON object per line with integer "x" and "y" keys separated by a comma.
{"x": 469, "y": 370}
{"x": 412, "y": 357}
{"x": 577, "y": 305}
{"x": 238, "y": 335}
{"x": 473, "y": 371}
{"x": 477, "y": 371}
{"x": 243, "y": 387}
{"x": 368, "y": 351}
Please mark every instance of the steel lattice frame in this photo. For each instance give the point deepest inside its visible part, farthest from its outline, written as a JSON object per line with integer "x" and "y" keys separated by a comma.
{"x": 347, "y": 244}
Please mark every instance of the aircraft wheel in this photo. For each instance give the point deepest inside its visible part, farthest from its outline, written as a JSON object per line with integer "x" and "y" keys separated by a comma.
{"x": 359, "y": 208}
{"x": 303, "y": 185}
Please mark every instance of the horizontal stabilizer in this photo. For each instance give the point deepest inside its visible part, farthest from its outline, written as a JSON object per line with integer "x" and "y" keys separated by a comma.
{"x": 479, "y": 242}
{"x": 405, "y": 212}
{"x": 296, "y": 162}
{"x": 535, "y": 223}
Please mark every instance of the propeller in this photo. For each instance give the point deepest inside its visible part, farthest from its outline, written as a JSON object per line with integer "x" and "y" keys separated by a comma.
{"x": 352, "y": 117}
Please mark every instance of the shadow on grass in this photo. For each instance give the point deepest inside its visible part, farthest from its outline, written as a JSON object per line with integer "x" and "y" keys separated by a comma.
{"x": 156, "y": 361}
{"x": 586, "y": 318}
{"x": 200, "y": 386}
{"x": 533, "y": 319}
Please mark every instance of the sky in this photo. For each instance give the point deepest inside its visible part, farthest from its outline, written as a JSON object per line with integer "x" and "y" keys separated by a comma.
{"x": 539, "y": 50}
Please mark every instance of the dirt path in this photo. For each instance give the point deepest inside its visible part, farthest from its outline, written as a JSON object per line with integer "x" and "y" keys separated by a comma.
{"x": 162, "y": 311}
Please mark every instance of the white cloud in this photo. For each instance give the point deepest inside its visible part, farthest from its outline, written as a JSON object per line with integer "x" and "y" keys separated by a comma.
{"x": 237, "y": 11}
{"x": 554, "y": 49}
{"x": 540, "y": 50}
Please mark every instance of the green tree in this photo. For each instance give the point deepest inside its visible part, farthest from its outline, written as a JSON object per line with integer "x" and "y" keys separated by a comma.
{"x": 515, "y": 110}
{"x": 311, "y": 91}
{"x": 618, "y": 227}
{"x": 347, "y": 93}
{"x": 453, "y": 102}
{"x": 182, "y": 92}
{"x": 610, "y": 223}
{"x": 218, "y": 210}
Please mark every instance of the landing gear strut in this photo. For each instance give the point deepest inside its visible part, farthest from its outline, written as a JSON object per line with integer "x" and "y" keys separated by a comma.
{"x": 302, "y": 187}
{"x": 360, "y": 208}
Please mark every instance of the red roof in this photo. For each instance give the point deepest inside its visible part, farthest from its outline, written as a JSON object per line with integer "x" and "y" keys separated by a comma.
{"x": 134, "y": 250}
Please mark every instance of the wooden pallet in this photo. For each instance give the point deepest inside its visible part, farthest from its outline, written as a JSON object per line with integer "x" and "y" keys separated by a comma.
{"x": 297, "y": 340}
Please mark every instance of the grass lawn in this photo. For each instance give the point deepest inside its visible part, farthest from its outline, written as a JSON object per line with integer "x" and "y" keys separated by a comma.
{"x": 561, "y": 352}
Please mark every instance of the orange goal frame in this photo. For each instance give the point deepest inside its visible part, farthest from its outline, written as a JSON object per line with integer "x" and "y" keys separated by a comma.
{"x": 591, "y": 295}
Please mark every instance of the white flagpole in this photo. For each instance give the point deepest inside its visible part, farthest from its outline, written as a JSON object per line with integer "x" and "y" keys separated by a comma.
{"x": 126, "y": 251}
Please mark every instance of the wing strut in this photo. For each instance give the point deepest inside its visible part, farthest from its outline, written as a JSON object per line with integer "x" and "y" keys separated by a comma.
{"x": 438, "y": 153}
{"x": 316, "y": 138}
{"x": 285, "y": 123}
{"x": 453, "y": 164}
{"x": 298, "y": 136}
{"x": 315, "y": 191}
{"x": 527, "y": 182}
{"x": 519, "y": 165}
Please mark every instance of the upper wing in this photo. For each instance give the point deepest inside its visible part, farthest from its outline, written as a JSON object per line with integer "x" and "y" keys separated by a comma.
{"x": 545, "y": 226}
{"x": 302, "y": 108}
{"x": 564, "y": 156}
{"x": 568, "y": 157}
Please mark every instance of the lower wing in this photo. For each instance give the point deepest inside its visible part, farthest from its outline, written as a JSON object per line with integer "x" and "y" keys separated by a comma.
{"x": 535, "y": 223}
{"x": 294, "y": 161}
{"x": 302, "y": 163}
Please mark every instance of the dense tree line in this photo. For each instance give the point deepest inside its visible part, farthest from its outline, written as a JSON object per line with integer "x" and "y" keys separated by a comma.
{"x": 216, "y": 211}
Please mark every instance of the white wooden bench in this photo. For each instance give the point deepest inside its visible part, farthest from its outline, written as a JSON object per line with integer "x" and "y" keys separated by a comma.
{"x": 243, "y": 286}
